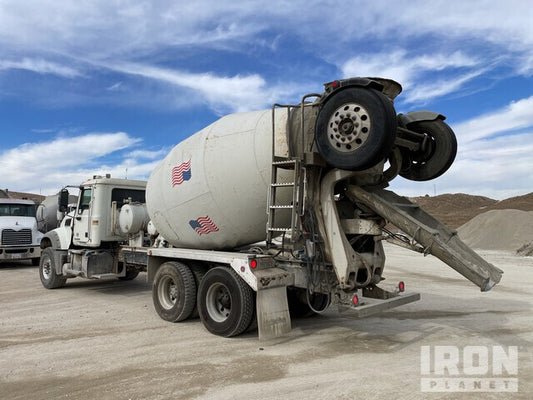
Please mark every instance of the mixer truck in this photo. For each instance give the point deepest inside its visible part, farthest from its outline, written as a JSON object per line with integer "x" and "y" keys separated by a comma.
{"x": 48, "y": 215}
{"x": 267, "y": 214}
{"x": 19, "y": 237}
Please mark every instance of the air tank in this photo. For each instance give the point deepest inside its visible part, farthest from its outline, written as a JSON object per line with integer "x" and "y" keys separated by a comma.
{"x": 210, "y": 191}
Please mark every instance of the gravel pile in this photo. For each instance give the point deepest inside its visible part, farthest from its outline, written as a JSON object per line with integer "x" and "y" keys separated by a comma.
{"x": 510, "y": 230}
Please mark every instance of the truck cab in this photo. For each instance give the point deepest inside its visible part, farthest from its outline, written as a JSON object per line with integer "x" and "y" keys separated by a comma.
{"x": 95, "y": 219}
{"x": 18, "y": 231}
{"x": 88, "y": 240}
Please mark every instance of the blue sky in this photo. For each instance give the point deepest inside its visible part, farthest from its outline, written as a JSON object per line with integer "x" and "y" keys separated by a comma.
{"x": 111, "y": 86}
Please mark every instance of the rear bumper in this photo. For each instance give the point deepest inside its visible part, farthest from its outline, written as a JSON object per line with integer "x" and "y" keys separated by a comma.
{"x": 371, "y": 306}
{"x": 19, "y": 252}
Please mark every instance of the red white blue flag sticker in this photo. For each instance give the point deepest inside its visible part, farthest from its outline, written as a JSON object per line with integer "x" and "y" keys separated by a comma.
{"x": 203, "y": 225}
{"x": 181, "y": 173}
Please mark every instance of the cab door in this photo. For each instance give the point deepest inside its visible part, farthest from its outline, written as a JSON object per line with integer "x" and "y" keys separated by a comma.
{"x": 82, "y": 218}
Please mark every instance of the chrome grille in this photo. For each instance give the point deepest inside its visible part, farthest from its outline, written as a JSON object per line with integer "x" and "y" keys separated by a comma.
{"x": 11, "y": 237}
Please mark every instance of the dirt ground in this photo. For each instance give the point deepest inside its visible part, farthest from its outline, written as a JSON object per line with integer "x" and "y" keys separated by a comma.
{"x": 103, "y": 340}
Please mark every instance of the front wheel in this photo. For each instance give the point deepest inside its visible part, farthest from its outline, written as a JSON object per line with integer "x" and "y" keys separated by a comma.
{"x": 225, "y": 302}
{"x": 47, "y": 270}
{"x": 174, "y": 291}
{"x": 436, "y": 154}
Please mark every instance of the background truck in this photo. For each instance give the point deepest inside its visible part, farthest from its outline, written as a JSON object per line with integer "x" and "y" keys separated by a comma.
{"x": 268, "y": 213}
{"x": 19, "y": 237}
{"x": 48, "y": 215}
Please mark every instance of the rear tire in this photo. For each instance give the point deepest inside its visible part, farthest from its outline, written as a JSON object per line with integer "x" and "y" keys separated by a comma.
{"x": 131, "y": 274}
{"x": 298, "y": 305}
{"x": 437, "y": 157}
{"x": 173, "y": 291}
{"x": 356, "y": 128}
{"x": 198, "y": 270}
{"x": 225, "y": 302}
{"x": 47, "y": 270}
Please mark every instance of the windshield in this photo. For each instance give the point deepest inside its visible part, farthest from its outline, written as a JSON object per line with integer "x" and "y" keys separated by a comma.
{"x": 17, "y": 210}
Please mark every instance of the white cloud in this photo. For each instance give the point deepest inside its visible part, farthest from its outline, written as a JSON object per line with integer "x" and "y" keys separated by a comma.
{"x": 115, "y": 87}
{"x": 223, "y": 94}
{"x": 40, "y": 66}
{"x": 516, "y": 115}
{"x": 147, "y": 154}
{"x": 412, "y": 71}
{"x": 69, "y": 160}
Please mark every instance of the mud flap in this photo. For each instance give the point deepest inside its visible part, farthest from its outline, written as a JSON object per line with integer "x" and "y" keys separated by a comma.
{"x": 273, "y": 319}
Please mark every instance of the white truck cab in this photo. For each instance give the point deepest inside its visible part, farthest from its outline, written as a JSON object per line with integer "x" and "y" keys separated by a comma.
{"x": 95, "y": 218}
{"x": 18, "y": 231}
{"x": 87, "y": 242}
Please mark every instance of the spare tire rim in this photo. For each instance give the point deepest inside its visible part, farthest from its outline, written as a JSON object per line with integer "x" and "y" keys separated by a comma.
{"x": 349, "y": 127}
{"x": 218, "y": 302}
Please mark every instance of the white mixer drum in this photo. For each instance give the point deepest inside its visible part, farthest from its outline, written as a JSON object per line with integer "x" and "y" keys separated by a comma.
{"x": 210, "y": 192}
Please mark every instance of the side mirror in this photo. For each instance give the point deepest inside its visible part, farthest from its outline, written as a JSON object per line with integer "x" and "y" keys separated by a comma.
{"x": 62, "y": 200}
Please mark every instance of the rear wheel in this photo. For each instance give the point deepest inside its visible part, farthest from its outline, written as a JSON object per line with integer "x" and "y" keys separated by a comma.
{"x": 356, "y": 128}
{"x": 299, "y": 304}
{"x": 173, "y": 291}
{"x": 131, "y": 274}
{"x": 198, "y": 270}
{"x": 47, "y": 270}
{"x": 436, "y": 155}
{"x": 225, "y": 302}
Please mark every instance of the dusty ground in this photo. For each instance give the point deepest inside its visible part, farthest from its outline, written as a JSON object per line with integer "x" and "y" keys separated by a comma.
{"x": 103, "y": 340}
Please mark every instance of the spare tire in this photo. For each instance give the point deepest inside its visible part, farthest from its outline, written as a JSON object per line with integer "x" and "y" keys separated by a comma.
{"x": 435, "y": 157}
{"x": 356, "y": 128}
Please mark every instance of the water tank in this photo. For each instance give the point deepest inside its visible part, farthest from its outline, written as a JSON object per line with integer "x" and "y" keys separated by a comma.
{"x": 210, "y": 191}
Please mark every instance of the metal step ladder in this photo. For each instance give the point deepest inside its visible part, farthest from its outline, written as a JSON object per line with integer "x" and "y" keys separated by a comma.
{"x": 276, "y": 210}
{"x": 275, "y": 207}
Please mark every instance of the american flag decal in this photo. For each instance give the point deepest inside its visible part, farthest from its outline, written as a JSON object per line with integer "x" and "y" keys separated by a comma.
{"x": 203, "y": 225}
{"x": 181, "y": 173}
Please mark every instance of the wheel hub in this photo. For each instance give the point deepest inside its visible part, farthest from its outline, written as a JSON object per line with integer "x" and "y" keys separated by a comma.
{"x": 218, "y": 302}
{"x": 348, "y": 127}
{"x": 47, "y": 269}
{"x": 168, "y": 293}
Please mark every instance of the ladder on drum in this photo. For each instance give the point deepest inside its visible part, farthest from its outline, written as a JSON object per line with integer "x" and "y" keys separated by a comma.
{"x": 279, "y": 188}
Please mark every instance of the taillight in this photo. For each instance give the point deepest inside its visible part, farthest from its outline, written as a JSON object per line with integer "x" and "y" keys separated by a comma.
{"x": 355, "y": 300}
{"x": 253, "y": 263}
{"x": 401, "y": 286}
{"x": 335, "y": 84}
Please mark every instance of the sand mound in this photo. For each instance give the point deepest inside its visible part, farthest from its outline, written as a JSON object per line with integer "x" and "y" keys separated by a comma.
{"x": 499, "y": 230}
